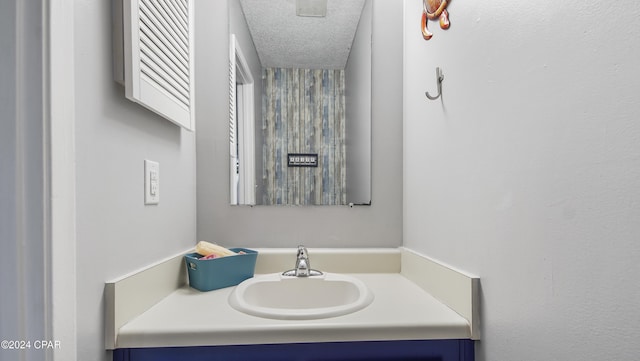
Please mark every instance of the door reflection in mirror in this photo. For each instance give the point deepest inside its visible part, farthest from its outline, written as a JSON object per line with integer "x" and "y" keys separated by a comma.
{"x": 241, "y": 128}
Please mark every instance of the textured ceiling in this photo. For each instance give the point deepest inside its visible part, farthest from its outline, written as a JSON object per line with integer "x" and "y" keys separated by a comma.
{"x": 285, "y": 40}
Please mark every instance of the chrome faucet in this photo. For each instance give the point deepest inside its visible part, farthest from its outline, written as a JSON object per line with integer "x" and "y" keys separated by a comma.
{"x": 303, "y": 266}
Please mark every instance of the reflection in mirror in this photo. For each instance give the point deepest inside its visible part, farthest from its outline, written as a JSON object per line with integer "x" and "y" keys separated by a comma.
{"x": 300, "y": 102}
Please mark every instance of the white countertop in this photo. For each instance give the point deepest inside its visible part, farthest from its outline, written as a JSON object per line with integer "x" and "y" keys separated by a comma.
{"x": 415, "y": 298}
{"x": 400, "y": 311}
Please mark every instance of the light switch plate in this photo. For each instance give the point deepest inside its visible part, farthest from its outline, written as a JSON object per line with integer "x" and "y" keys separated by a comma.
{"x": 151, "y": 182}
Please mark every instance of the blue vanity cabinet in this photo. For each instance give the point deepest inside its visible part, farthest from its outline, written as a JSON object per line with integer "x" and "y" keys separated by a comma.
{"x": 421, "y": 350}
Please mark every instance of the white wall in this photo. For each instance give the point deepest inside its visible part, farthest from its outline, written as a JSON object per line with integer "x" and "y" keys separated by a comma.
{"x": 527, "y": 172}
{"x": 285, "y": 226}
{"x": 116, "y": 232}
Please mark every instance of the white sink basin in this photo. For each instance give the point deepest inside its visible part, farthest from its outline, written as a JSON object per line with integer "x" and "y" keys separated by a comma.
{"x": 300, "y": 298}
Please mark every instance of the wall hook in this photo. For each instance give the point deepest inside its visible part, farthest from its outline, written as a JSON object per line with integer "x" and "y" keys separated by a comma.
{"x": 439, "y": 79}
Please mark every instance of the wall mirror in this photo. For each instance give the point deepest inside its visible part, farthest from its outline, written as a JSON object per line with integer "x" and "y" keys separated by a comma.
{"x": 300, "y": 102}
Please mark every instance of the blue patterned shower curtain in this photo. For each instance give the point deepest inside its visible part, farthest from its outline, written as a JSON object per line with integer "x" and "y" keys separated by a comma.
{"x": 304, "y": 112}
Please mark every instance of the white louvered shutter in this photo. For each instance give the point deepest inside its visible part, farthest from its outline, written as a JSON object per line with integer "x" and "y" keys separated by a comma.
{"x": 233, "y": 125}
{"x": 159, "y": 61}
{"x": 232, "y": 98}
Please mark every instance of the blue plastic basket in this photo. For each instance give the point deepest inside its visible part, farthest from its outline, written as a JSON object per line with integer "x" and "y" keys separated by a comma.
{"x": 216, "y": 273}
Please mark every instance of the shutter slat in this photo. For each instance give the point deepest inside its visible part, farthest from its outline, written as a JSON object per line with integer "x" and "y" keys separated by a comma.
{"x": 179, "y": 90}
{"x": 162, "y": 12}
{"x": 182, "y": 7}
{"x": 165, "y": 62}
{"x": 177, "y": 14}
{"x": 150, "y": 42}
{"x": 167, "y": 36}
{"x": 166, "y": 87}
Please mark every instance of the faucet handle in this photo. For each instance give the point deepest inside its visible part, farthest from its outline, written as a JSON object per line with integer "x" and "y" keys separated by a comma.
{"x": 302, "y": 252}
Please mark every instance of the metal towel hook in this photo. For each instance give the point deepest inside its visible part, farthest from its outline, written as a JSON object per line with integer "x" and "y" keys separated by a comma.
{"x": 439, "y": 79}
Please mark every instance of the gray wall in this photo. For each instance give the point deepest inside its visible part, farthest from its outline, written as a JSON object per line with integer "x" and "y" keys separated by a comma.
{"x": 285, "y": 226}
{"x": 24, "y": 207}
{"x": 358, "y": 110}
{"x": 116, "y": 232}
{"x": 527, "y": 172}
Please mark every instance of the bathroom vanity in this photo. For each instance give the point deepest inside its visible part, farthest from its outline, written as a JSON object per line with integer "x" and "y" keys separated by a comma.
{"x": 427, "y": 350}
{"x": 420, "y": 311}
